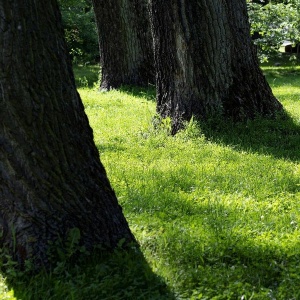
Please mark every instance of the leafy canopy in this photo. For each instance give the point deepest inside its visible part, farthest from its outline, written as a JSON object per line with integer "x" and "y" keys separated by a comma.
{"x": 274, "y": 22}
{"x": 80, "y": 29}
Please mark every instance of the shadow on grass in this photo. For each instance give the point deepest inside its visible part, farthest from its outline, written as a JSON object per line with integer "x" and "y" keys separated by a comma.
{"x": 283, "y": 72}
{"x": 278, "y": 137}
{"x": 228, "y": 261}
{"x": 259, "y": 265}
{"x": 86, "y": 76}
{"x": 114, "y": 146}
{"x": 286, "y": 74}
{"x": 122, "y": 274}
{"x": 147, "y": 93}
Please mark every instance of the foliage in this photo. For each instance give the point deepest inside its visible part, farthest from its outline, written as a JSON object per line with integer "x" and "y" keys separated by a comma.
{"x": 80, "y": 30}
{"x": 274, "y": 23}
{"x": 5, "y": 293}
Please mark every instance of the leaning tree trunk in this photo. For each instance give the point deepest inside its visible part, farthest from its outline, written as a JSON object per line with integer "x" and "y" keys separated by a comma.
{"x": 51, "y": 178}
{"x": 125, "y": 43}
{"x": 205, "y": 62}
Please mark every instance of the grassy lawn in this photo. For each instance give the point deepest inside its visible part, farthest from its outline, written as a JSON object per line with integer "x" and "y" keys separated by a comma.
{"x": 215, "y": 209}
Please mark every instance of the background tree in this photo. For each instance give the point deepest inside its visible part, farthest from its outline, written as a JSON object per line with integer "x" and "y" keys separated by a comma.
{"x": 126, "y": 54}
{"x": 205, "y": 62}
{"x": 52, "y": 180}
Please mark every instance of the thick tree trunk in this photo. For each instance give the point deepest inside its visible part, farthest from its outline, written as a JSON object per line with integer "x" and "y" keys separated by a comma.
{"x": 125, "y": 42}
{"x": 205, "y": 62}
{"x": 51, "y": 178}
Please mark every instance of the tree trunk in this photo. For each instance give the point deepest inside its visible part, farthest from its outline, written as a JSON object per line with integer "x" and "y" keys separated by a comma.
{"x": 205, "y": 62}
{"x": 51, "y": 178}
{"x": 125, "y": 42}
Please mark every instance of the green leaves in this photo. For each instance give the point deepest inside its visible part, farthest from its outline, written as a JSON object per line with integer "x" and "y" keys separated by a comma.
{"x": 274, "y": 23}
{"x": 80, "y": 29}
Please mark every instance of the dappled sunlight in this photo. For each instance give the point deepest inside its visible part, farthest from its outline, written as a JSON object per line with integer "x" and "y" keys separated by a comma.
{"x": 215, "y": 207}
{"x": 226, "y": 237}
{"x": 197, "y": 191}
{"x": 6, "y": 293}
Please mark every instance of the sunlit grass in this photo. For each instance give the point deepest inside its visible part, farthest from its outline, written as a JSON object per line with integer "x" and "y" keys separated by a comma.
{"x": 216, "y": 208}
{"x": 5, "y": 293}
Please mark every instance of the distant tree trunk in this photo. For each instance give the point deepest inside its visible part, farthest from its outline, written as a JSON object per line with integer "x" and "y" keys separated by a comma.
{"x": 51, "y": 178}
{"x": 125, "y": 42}
{"x": 205, "y": 62}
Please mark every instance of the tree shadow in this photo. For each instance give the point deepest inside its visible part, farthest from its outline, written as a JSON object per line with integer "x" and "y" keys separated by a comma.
{"x": 228, "y": 258}
{"x": 86, "y": 75}
{"x": 258, "y": 264}
{"x": 278, "y": 137}
{"x": 148, "y": 92}
{"x": 120, "y": 274}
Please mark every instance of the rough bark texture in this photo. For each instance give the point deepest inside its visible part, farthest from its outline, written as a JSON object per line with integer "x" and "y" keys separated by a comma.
{"x": 126, "y": 51}
{"x": 205, "y": 62}
{"x": 51, "y": 178}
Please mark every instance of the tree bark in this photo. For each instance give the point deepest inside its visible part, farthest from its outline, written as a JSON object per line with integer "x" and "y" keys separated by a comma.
{"x": 125, "y": 43}
{"x": 205, "y": 62}
{"x": 51, "y": 177}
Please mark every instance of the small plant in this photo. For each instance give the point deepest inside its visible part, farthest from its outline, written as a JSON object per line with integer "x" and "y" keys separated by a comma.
{"x": 5, "y": 293}
{"x": 191, "y": 130}
{"x": 162, "y": 124}
{"x": 62, "y": 252}
{"x": 83, "y": 82}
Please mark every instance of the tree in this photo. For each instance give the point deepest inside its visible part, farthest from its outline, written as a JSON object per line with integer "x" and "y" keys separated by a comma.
{"x": 126, "y": 53}
{"x": 52, "y": 180}
{"x": 205, "y": 62}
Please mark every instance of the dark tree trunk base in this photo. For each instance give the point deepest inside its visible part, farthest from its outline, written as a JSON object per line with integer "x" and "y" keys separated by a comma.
{"x": 126, "y": 52}
{"x": 51, "y": 177}
{"x": 205, "y": 62}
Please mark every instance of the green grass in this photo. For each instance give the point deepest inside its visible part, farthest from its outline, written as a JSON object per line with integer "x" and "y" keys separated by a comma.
{"x": 215, "y": 209}
{"x": 86, "y": 76}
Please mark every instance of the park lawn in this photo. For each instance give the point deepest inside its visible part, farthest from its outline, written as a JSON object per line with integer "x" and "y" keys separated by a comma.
{"x": 215, "y": 209}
